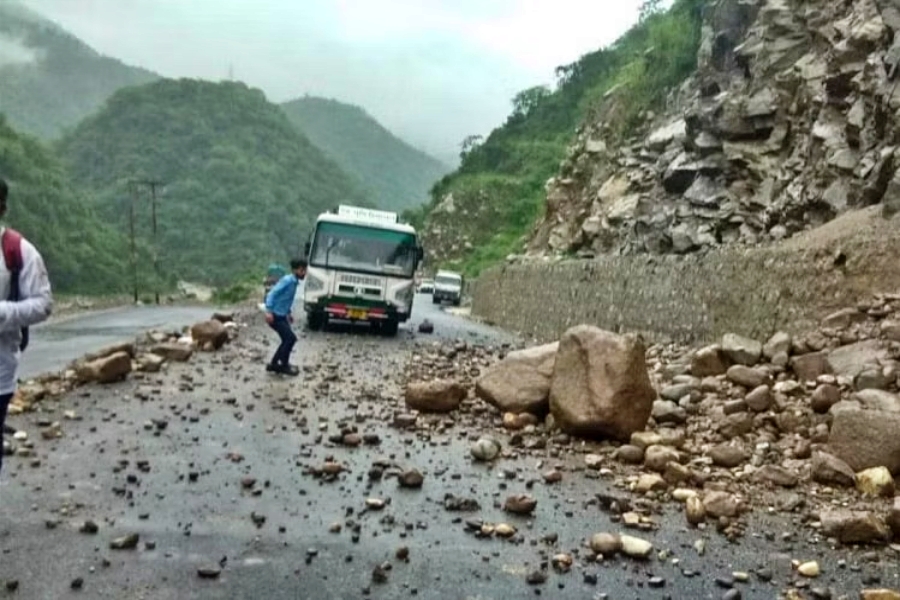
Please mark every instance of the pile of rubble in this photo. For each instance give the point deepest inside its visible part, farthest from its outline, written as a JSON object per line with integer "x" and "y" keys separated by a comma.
{"x": 804, "y": 425}
{"x": 147, "y": 354}
{"x": 788, "y": 121}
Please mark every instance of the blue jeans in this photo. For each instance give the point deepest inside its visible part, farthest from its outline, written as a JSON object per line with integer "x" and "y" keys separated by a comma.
{"x": 284, "y": 330}
{"x": 4, "y": 406}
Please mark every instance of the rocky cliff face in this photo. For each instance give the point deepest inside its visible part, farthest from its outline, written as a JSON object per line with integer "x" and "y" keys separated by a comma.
{"x": 790, "y": 120}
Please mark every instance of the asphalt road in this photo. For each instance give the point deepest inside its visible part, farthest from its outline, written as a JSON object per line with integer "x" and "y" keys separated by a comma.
{"x": 226, "y": 420}
{"x": 53, "y": 345}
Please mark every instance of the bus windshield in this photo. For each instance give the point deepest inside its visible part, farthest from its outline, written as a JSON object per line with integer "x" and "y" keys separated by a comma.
{"x": 364, "y": 249}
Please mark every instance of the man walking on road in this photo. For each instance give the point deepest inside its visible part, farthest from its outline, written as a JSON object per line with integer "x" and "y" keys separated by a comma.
{"x": 27, "y": 300}
{"x": 279, "y": 303}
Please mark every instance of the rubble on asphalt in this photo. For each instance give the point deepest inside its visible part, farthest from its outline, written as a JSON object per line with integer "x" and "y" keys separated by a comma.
{"x": 147, "y": 354}
{"x": 804, "y": 426}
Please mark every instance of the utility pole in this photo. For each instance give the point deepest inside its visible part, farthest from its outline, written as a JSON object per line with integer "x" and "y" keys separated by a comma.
{"x": 134, "y": 273}
{"x": 153, "y": 185}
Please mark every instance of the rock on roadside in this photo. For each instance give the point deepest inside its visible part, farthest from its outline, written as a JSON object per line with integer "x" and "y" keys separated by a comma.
{"x": 600, "y": 385}
{"x": 441, "y": 396}
{"x": 521, "y": 381}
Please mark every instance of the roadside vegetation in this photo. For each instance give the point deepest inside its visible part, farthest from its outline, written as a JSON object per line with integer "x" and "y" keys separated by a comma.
{"x": 509, "y": 168}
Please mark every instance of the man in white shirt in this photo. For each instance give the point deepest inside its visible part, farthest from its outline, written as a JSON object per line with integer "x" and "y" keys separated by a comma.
{"x": 26, "y": 300}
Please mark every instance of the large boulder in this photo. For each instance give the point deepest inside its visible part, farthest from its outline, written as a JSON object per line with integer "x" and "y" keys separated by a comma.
{"x": 210, "y": 334}
{"x": 441, "y": 396}
{"x": 109, "y": 369}
{"x": 600, "y": 386}
{"x": 866, "y": 438}
{"x": 521, "y": 381}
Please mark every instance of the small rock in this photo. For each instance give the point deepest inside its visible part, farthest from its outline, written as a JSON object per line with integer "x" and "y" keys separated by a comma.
{"x": 694, "y": 510}
{"x": 727, "y": 455}
{"x": 809, "y": 569}
{"x": 629, "y": 454}
{"x": 485, "y": 449}
{"x": 748, "y": 377}
{"x": 876, "y": 481}
{"x": 411, "y": 479}
{"x": 128, "y": 542}
{"x": 830, "y": 470}
{"x": 606, "y": 544}
{"x": 521, "y": 504}
{"x": 635, "y": 547}
{"x": 760, "y": 399}
{"x": 657, "y": 457}
{"x": 209, "y": 572}
{"x": 824, "y": 398}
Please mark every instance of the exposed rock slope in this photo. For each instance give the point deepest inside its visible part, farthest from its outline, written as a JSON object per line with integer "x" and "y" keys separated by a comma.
{"x": 789, "y": 121}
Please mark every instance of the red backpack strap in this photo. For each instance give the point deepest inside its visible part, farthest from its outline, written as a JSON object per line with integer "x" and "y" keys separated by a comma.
{"x": 12, "y": 250}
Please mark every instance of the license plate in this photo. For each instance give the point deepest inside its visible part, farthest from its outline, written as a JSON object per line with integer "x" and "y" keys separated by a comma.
{"x": 355, "y": 313}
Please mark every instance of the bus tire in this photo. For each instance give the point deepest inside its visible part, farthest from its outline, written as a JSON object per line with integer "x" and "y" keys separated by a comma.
{"x": 390, "y": 327}
{"x": 315, "y": 321}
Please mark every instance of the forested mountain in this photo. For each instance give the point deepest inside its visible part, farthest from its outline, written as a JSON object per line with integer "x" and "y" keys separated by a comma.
{"x": 83, "y": 253}
{"x": 397, "y": 175}
{"x": 242, "y": 185}
{"x": 49, "y": 79}
{"x": 485, "y": 210}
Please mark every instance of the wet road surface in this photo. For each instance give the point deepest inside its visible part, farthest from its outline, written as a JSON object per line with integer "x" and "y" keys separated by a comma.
{"x": 55, "y": 344}
{"x": 167, "y": 457}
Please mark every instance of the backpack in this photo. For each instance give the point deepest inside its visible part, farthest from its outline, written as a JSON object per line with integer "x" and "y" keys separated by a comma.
{"x": 12, "y": 255}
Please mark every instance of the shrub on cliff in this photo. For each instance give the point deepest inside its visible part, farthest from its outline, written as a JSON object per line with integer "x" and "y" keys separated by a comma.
{"x": 654, "y": 55}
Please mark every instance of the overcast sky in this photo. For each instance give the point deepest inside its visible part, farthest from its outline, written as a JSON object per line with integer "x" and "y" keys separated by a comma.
{"x": 433, "y": 71}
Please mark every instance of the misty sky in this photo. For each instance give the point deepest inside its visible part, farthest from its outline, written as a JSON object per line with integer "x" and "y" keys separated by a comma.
{"x": 433, "y": 71}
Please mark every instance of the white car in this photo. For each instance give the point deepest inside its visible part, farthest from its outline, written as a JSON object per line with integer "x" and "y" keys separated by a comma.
{"x": 427, "y": 286}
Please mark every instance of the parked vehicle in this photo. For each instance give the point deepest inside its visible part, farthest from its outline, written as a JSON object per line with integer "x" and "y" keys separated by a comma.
{"x": 427, "y": 286}
{"x": 448, "y": 286}
{"x": 362, "y": 267}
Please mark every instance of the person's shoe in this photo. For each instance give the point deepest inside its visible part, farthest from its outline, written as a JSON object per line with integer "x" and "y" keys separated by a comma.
{"x": 271, "y": 368}
{"x": 289, "y": 370}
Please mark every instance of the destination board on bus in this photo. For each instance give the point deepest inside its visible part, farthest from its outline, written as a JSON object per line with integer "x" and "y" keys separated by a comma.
{"x": 367, "y": 215}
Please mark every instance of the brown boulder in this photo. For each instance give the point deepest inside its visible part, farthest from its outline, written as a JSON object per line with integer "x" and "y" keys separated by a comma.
{"x": 854, "y": 527}
{"x": 521, "y": 381}
{"x": 600, "y": 385}
{"x": 435, "y": 396}
{"x": 809, "y": 367}
{"x": 830, "y": 470}
{"x": 894, "y": 518}
{"x": 109, "y": 369}
{"x": 708, "y": 362}
{"x": 210, "y": 333}
{"x": 866, "y": 438}
{"x": 173, "y": 351}
{"x": 126, "y": 347}
{"x": 150, "y": 363}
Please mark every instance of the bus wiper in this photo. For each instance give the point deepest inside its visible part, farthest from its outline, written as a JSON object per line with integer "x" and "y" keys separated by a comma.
{"x": 331, "y": 244}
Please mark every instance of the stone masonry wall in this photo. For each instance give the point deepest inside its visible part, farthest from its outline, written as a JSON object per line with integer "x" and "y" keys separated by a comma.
{"x": 688, "y": 299}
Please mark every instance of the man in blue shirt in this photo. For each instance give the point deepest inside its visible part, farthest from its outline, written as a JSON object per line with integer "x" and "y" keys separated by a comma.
{"x": 279, "y": 303}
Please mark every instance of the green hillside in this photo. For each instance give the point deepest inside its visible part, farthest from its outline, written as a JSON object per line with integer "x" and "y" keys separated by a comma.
{"x": 83, "y": 254}
{"x": 50, "y": 80}
{"x": 397, "y": 175}
{"x": 498, "y": 191}
{"x": 242, "y": 185}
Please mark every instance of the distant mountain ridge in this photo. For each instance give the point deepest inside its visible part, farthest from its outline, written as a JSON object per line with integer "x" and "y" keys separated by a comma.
{"x": 243, "y": 185}
{"x": 397, "y": 175}
{"x": 49, "y": 79}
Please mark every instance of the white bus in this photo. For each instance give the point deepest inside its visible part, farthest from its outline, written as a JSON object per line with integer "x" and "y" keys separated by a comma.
{"x": 362, "y": 266}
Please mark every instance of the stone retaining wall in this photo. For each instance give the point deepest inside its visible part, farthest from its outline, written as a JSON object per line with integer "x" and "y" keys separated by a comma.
{"x": 753, "y": 291}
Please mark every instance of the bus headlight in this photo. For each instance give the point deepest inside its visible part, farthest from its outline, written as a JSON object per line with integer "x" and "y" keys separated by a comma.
{"x": 313, "y": 283}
